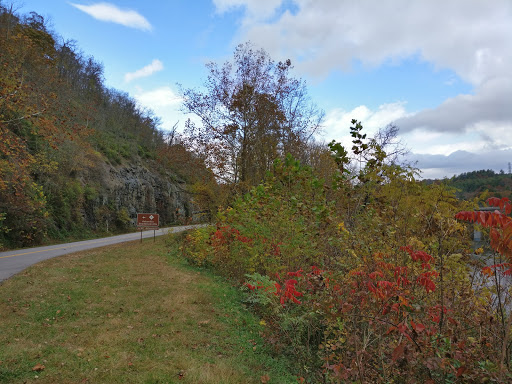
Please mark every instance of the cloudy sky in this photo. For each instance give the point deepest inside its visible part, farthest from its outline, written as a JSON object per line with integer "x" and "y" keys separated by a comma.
{"x": 438, "y": 69}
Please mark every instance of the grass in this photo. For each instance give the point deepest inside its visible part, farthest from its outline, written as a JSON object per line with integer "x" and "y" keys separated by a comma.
{"x": 130, "y": 313}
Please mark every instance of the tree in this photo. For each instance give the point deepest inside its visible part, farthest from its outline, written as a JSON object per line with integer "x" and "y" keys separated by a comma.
{"x": 25, "y": 97}
{"x": 251, "y": 112}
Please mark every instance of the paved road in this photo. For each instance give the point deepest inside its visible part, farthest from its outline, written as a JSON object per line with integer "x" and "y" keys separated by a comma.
{"x": 12, "y": 262}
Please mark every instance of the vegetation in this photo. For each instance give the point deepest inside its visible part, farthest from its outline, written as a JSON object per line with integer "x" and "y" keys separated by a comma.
{"x": 251, "y": 112}
{"x": 471, "y": 184}
{"x": 59, "y": 126}
{"x": 129, "y": 313}
{"x": 367, "y": 276}
{"x": 358, "y": 270}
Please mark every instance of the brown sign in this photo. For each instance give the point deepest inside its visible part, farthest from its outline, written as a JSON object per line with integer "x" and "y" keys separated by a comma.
{"x": 148, "y": 220}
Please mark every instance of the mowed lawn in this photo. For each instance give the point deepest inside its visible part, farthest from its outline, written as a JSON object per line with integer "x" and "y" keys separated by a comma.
{"x": 129, "y": 313}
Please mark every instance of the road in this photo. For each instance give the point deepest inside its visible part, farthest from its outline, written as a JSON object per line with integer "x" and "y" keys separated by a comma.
{"x": 13, "y": 262}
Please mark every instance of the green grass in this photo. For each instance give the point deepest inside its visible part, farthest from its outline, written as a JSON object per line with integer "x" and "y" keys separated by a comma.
{"x": 131, "y": 313}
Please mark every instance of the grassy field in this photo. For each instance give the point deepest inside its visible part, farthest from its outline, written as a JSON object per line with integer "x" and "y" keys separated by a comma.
{"x": 130, "y": 313}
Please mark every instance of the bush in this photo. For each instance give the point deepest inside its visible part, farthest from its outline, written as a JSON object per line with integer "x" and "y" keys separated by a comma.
{"x": 272, "y": 228}
{"x": 123, "y": 220}
{"x": 375, "y": 285}
{"x": 196, "y": 248}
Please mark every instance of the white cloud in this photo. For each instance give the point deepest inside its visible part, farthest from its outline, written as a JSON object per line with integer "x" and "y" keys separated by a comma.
{"x": 164, "y": 102}
{"x": 338, "y": 121}
{"x": 111, "y": 13}
{"x": 491, "y": 103}
{"x": 422, "y": 143}
{"x": 438, "y": 154}
{"x": 155, "y": 66}
{"x": 159, "y": 97}
{"x": 485, "y": 146}
{"x": 495, "y": 135}
{"x": 471, "y": 37}
{"x": 438, "y": 166}
{"x": 255, "y": 8}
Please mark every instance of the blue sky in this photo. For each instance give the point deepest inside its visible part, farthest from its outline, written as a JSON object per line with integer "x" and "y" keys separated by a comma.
{"x": 438, "y": 69}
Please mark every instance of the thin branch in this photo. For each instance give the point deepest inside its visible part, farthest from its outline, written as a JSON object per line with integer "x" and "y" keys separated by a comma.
{"x": 23, "y": 117}
{"x": 9, "y": 95}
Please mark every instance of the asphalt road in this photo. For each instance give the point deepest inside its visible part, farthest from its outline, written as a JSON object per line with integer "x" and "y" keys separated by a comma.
{"x": 13, "y": 262}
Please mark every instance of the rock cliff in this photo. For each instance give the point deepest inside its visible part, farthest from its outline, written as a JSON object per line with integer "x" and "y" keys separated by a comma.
{"x": 139, "y": 189}
{"x": 122, "y": 191}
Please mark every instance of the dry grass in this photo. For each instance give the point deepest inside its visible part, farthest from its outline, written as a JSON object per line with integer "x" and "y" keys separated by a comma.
{"x": 127, "y": 314}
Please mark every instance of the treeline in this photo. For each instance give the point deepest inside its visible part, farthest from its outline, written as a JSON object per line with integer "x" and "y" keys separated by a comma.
{"x": 58, "y": 124}
{"x": 469, "y": 185}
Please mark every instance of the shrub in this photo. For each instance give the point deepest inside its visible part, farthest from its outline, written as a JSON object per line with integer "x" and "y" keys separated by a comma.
{"x": 195, "y": 246}
{"x": 393, "y": 295}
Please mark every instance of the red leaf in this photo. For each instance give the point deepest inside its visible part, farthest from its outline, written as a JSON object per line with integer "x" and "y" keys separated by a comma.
{"x": 493, "y": 201}
{"x": 481, "y": 217}
{"x": 461, "y": 371}
{"x": 398, "y": 351}
{"x": 417, "y": 326}
{"x": 489, "y": 221}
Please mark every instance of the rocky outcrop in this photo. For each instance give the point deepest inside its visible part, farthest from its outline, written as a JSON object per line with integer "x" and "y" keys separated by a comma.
{"x": 134, "y": 188}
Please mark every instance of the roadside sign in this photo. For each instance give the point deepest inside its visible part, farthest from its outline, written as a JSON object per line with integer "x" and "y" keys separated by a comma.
{"x": 148, "y": 221}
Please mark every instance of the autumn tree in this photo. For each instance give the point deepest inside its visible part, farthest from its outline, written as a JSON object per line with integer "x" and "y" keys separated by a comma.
{"x": 250, "y": 112}
{"x": 26, "y": 49}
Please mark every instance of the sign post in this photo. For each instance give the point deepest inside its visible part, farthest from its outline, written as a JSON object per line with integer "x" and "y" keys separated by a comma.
{"x": 148, "y": 221}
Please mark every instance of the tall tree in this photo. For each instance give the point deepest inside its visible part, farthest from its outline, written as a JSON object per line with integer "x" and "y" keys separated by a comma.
{"x": 251, "y": 112}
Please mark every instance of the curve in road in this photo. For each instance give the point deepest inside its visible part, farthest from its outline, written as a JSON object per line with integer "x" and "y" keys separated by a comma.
{"x": 13, "y": 262}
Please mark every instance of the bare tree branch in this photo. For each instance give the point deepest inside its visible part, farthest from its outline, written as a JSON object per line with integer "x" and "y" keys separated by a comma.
{"x": 23, "y": 117}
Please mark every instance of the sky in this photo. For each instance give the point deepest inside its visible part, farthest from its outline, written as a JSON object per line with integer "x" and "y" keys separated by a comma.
{"x": 440, "y": 70}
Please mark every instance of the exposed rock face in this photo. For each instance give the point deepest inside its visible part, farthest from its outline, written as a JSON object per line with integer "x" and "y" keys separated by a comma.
{"x": 137, "y": 189}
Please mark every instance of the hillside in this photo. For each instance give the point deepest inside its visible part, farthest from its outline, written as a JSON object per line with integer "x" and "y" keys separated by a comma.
{"x": 78, "y": 158}
{"x": 469, "y": 185}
